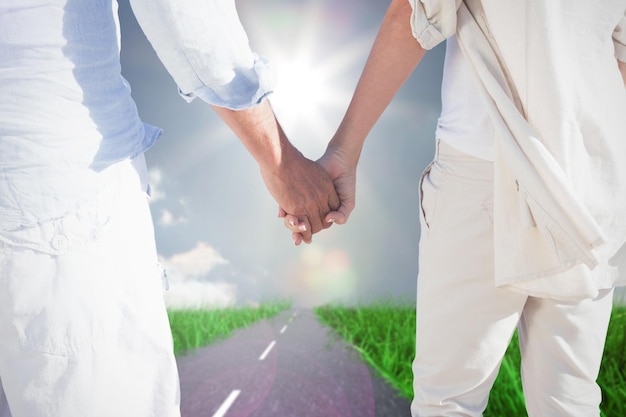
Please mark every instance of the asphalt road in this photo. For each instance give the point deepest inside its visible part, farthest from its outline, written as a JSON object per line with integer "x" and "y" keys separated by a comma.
{"x": 287, "y": 366}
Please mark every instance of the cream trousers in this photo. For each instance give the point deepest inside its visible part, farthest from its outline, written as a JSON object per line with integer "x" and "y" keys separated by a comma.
{"x": 464, "y": 323}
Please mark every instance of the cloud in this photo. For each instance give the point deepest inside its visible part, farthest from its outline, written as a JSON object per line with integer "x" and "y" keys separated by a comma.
{"x": 155, "y": 179}
{"x": 157, "y": 193}
{"x": 197, "y": 294}
{"x": 187, "y": 273}
{"x": 193, "y": 264}
{"x": 167, "y": 219}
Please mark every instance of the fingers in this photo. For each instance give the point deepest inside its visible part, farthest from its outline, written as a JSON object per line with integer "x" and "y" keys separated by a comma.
{"x": 315, "y": 225}
{"x": 335, "y": 217}
{"x": 300, "y": 229}
{"x": 330, "y": 217}
{"x": 295, "y": 225}
{"x": 291, "y": 222}
{"x": 334, "y": 200}
{"x": 297, "y": 238}
{"x": 339, "y": 216}
{"x": 319, "y": 221}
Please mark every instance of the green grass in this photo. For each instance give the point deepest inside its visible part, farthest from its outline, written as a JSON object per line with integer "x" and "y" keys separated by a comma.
{"x": 385, "y": 335}
{"x": 612, "y": 377}
{"x": 192, "y": 329}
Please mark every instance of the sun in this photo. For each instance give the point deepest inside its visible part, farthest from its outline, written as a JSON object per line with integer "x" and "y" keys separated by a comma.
{"x": 313, "y": 90}
{"x": 303, "y": 91}
{"x": 318, "y": 53}
{"x": 309, "y": 98}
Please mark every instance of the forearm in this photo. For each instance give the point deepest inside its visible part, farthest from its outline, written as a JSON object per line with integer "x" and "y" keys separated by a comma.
{"x": 260, "y": 133}
{"x": 300, "y": 186}
{"x": 393, "y": 57}
{"x": 622, "y": 69}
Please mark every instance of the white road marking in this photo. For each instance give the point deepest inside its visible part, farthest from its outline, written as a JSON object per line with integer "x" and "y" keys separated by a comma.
{"x": 283, "y": 329}
{"x": 293, "y": 316}
{"x": 267, "y": 350}
{"x": 227, "y": 403}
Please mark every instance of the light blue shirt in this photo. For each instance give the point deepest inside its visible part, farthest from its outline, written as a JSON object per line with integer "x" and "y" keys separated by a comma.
{"x": 66, "y": 113}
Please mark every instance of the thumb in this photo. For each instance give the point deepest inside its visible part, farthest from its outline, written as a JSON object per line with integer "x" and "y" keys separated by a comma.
{"x": 339, "y": 216}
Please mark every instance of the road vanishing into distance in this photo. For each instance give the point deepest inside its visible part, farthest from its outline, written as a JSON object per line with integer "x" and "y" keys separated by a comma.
{"x": 286, "y": 366}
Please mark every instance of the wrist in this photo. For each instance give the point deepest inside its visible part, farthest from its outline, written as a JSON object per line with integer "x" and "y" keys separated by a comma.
{"x": 346, "y": 149}
{"x": 279, "y": 160}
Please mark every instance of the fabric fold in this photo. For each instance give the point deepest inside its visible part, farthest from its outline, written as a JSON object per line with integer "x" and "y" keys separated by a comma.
{"x": 563, "y": 253}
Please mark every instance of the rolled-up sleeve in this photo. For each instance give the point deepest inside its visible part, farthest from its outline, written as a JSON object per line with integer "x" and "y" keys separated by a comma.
{"x": 204, "y": 47}
{"x": 433, "y": 21}
{"x": 619, "y": 39}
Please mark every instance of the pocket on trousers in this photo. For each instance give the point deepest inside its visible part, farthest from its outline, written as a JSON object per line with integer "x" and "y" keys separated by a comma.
{"x": 430, "y": 183}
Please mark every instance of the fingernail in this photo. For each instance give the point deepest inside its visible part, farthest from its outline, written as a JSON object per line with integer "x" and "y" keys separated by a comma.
{"x": 331, "y": 220}
{"x": 302, "y": 228}
{"x": 291, "y": 222}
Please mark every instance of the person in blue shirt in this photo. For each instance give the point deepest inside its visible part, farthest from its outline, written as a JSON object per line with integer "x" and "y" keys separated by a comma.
{"x": 83, "y": 327}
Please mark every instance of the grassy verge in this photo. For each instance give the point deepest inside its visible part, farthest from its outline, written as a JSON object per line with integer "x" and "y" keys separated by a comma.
{"x": 385, "y": 335}
{"x": 612, "y": 377}
{"x": 192, "y": 329}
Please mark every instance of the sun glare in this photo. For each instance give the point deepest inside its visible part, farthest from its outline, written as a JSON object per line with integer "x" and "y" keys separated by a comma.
{"x": 303, "y": 89}
{"x": 315, "y": 80}
{"x": 318, "y": 51}
{"x": 308, "y": 99}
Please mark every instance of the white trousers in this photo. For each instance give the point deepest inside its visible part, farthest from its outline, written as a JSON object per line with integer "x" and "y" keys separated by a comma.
{"x": 85, "y": 333}
{"x": 464, "y": 323}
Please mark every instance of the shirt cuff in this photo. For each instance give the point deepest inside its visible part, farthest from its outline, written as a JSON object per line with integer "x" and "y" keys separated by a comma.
{"x": 433, "y": 22}
{"x": 248, "y": 87}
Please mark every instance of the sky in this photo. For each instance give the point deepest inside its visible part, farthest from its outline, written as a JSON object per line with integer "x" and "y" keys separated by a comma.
{"x": 216, "y": 225}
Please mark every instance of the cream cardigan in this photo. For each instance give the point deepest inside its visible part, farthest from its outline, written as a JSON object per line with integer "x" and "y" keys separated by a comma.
{"x": 558, "y": 106}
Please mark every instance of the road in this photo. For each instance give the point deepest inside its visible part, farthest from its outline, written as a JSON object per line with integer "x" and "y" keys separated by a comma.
{"x": 287, "y": 366}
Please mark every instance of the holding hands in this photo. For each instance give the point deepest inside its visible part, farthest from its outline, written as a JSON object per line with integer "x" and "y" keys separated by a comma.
{"x": 303, "y": 189}
{"x": 392, "y": 59}
{"x": 343, "y": 176}
{"x": 314, "y": 195}
{"x": 311, "y": 195}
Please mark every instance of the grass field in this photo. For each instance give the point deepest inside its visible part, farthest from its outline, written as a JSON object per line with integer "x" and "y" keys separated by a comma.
{"x": 192, "y": 329}
{"x": 385, "y": 335}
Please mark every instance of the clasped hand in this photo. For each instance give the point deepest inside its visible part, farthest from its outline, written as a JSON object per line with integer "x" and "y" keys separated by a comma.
{"x": 317, "y": 194}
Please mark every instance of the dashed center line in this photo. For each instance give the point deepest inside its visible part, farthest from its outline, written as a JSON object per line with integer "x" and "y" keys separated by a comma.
{"x": 227, "y": 403}
{"x": 267, "y": 350}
